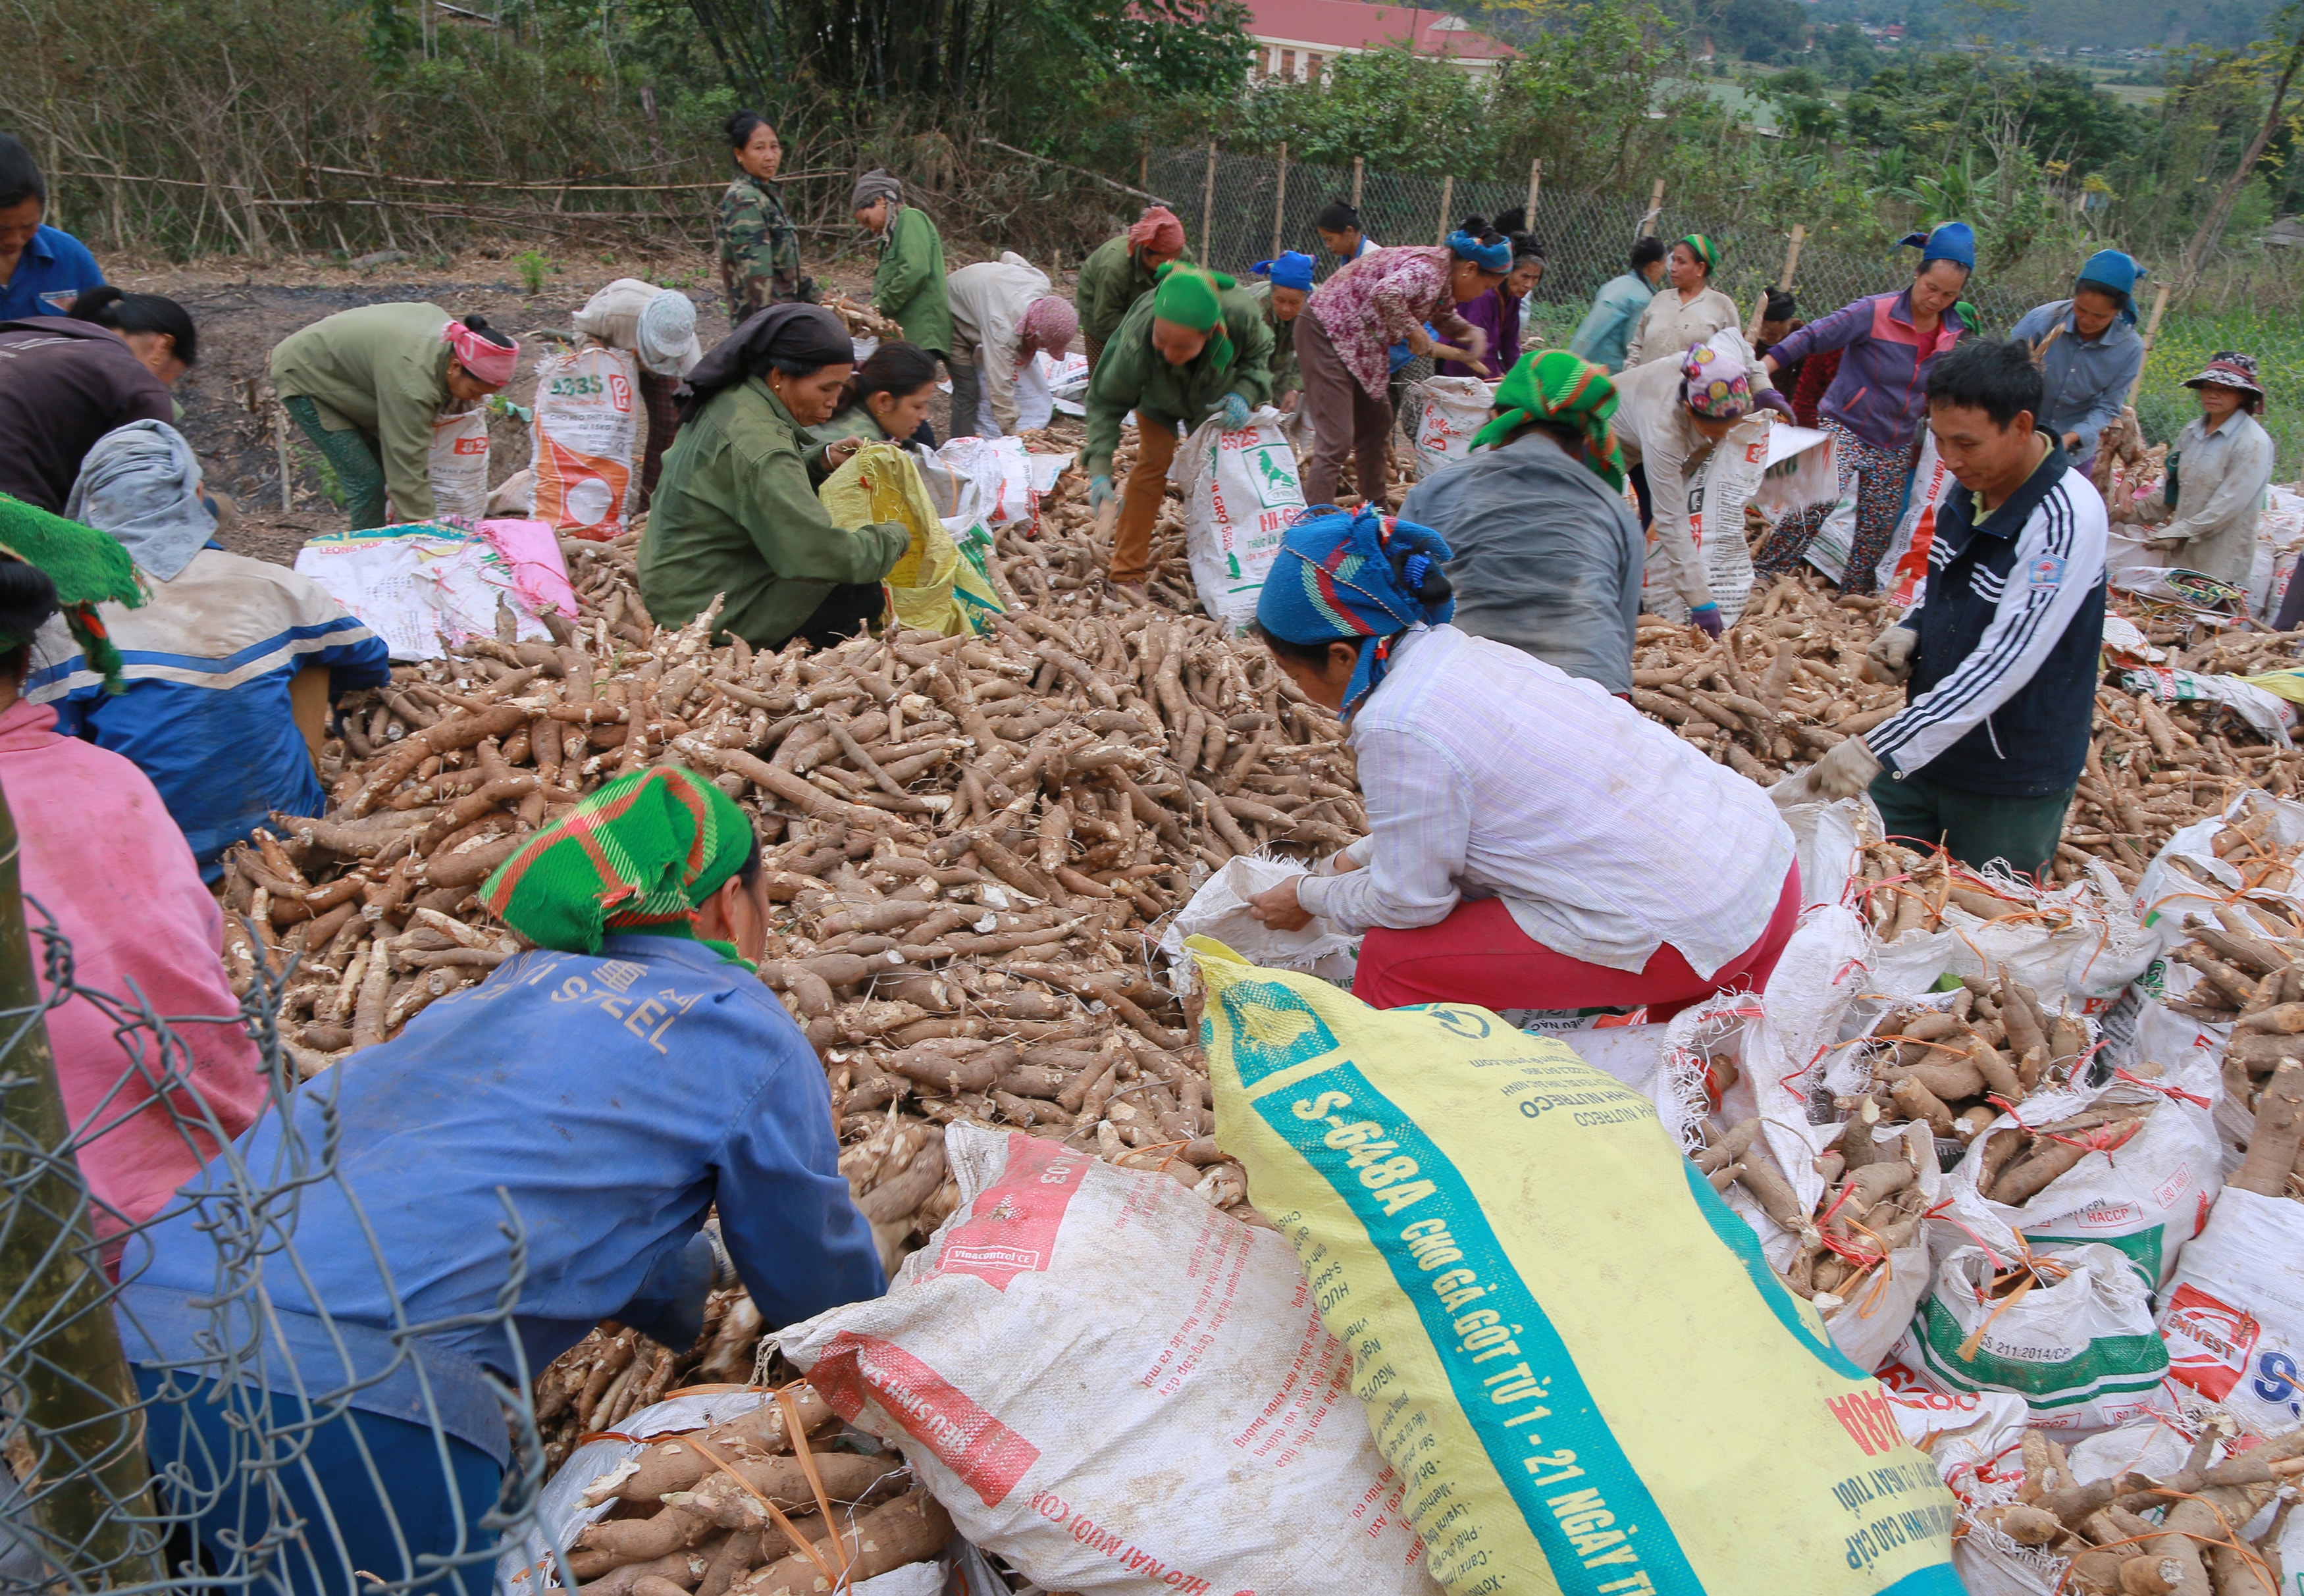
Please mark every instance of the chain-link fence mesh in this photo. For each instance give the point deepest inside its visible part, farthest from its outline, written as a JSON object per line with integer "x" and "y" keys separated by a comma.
{"x": 175, "y": 1440}
{"x": 1241, "y": 205}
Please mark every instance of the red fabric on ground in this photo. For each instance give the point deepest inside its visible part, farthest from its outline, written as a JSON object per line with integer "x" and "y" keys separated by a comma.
{"x": 1479, "y": 955}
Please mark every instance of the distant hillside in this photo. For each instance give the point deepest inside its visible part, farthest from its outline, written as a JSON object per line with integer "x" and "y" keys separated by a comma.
{"x": 2069, "y": 24}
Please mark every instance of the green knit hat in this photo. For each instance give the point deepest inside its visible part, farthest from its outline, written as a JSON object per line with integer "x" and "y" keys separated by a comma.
{"x": 1704, "y": 250}
{"x": 88, "y": 567}
{"x": 637, "y": 855}
{"x": 1189, "y": 296}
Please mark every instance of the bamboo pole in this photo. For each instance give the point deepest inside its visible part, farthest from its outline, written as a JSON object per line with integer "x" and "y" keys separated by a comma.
{"x": 287, "y": 481}
{"x": 1655, "y": 209}
{"x": 1359, "y": 164}
{"x": 1535, "y": 187}
{"x": 1280, "y": 202}
{"x": 1208, "y": 208}
{"x": 70, "y": 1382}
{"x": 1447, "y": 203}
{"x": 2151, "y": 332}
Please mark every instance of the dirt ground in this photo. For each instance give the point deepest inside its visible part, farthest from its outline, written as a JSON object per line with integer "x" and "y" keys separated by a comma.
{"x": 244, "y": 308}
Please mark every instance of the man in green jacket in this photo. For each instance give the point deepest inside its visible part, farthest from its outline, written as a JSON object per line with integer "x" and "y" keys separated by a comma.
{"x": 736, "y": 513}
{"x": 907, "y": 287}
{"x": 1120, "y": 272}
{"x": 1193, "y": 347}
{"x": 366, "y": 386}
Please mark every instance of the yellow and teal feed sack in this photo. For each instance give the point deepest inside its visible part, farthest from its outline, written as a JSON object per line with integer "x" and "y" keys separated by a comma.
{"x": 1568, "y": 1347}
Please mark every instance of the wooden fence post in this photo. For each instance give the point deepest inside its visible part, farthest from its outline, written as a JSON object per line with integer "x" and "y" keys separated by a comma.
{"x": 1359, "y": 163}
{"x": 1208, "y": 209}
{"x": 1655, "y": 209}
{"x": 2151, "y": 331}
{"x": 1535, "y": 186}
{"x": 1280, "y": 202}
{"x": 1447, "y": 203}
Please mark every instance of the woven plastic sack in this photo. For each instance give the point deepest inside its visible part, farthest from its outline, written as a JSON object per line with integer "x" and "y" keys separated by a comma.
{"x": 1568, "y": 1345}
{"x": 588, "y": 438}
{"x": 1903, "y": 567}
{"x": 931, "y": 588}
{"x": 458, "y": 464}
{"x": 1447, "y": 410}
{"x": 2233, "y": 1317}
{"x": 2078, "y": 1348}
{"x": 1116, "y": 1387}
{"x": 1241, "y": 492}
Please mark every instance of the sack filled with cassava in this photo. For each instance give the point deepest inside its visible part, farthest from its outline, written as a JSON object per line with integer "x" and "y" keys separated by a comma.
{"x": 1117, "y": 1388}
{"x": 1568, "y": 1345}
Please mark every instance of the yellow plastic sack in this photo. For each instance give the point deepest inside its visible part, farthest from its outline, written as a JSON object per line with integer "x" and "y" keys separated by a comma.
{"x": 1568, "y": 1347}
{"x": 931, "y": 589}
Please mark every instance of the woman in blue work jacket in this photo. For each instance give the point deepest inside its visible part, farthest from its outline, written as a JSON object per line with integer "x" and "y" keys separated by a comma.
{"x": 604, "y": 1093}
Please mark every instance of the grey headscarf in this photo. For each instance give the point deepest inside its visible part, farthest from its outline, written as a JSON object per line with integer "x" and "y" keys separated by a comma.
{"x": 142, "y": 482}
{"x": 873, "y": 187}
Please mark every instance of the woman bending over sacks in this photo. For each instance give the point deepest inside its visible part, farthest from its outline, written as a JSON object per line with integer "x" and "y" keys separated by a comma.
{"x": 1533, "y": 843}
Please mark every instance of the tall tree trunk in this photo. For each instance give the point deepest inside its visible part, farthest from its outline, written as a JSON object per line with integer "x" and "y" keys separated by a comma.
{"x": 2213, "y": 225}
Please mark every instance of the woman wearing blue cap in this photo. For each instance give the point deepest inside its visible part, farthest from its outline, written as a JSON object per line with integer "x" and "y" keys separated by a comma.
{"x": 2088, "y": 352}
{"x": 1533, "y": 843}
{"x": 1284, "y": 283}
{"x": 1497, "y": 312}
{"x": 1879, "y": 398}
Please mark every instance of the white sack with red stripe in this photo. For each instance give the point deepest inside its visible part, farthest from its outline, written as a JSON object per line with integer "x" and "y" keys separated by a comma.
{"x": 1116, "y": 1387}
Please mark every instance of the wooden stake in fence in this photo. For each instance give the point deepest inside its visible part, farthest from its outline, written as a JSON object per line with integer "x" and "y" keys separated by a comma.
{"x": 1447, "y": 204}
{"x": 1280, "y": 202}
{"x": 280, "y": 437}
{"x": 1655, "y": 209}
{"x": 1784, "y": 281}
{"x": 1144, "y": 168}
{"x": 2151, "y": 331}
{"x": 1359, "y": 163}
{"x": 1535, "y": 186}
{"x": 1209, "y": 207}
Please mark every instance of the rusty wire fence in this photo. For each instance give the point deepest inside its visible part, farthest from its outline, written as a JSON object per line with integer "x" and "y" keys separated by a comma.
{"x": 223, "y": 1437}
{"x": 1245, "y": 207}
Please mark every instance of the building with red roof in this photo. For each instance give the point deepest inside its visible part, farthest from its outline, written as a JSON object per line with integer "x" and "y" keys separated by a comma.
{"x": 1297, "y": 41}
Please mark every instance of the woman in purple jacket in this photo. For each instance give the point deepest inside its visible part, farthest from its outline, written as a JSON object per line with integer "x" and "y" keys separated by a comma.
{"x": 1497, "y": 311}
{"x": 1876, "y": 402}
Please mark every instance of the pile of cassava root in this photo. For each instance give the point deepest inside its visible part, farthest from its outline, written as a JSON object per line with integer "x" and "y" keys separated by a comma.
{"x": 750, "y": 1508}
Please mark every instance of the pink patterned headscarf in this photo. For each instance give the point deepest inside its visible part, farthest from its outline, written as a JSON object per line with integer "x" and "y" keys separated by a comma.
{"x": 492, "y": 363}
{"x": 1716, "y": 382}
{"x": 1050, "y": 324}
{"x": 1158, "y": 230}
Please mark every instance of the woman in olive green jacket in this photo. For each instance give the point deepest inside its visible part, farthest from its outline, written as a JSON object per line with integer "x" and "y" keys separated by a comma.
{"x": 366, "y": 386}
{"x": 1121, "y": 271}
{"x": 908, "y": 286}
{"x": 736, "y": 513}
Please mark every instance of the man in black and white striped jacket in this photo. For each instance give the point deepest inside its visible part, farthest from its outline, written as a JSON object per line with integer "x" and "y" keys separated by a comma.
{"x": 2000, "y": 657}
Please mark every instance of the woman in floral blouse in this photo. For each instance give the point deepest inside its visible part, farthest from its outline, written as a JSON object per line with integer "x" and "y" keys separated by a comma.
{"x": 1381, "y": 298}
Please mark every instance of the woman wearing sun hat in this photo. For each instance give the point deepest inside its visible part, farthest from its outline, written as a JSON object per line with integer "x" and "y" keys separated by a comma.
{"x": 1689, "y": 310}
{"x": 2205, "y": 513}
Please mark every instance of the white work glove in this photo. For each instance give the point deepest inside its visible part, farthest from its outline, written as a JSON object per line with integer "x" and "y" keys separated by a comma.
{"x": 1890, "y": 656}
{"x": 1847, "y": 770}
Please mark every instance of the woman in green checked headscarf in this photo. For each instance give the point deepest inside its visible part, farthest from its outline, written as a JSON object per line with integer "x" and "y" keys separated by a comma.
{"x": 611, "y": 1086}
{"x": 661, "y": 852}
{"x": 1545, "y": 554}
{"x": 1193, "y": 347}
{"x": 1688, "y": 310}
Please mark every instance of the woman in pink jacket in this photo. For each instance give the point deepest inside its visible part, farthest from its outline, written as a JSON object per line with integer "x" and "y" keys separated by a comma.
{"x": 103, "y": 863}
{"x": 1345, "y": 335}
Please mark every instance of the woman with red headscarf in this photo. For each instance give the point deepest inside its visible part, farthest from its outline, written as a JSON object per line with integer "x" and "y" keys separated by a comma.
{"x": 1120, "y": 272}
{"x": 366, "y": 386}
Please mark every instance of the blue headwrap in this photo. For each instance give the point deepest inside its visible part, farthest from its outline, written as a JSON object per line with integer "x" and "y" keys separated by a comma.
{"x": 1287, "y": 269}
{"x": 1354, "y": 576}
{"x": 1955, "y": 242}
{"x": 2116, "y": 275}
{"x": 1488, "y": 258}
